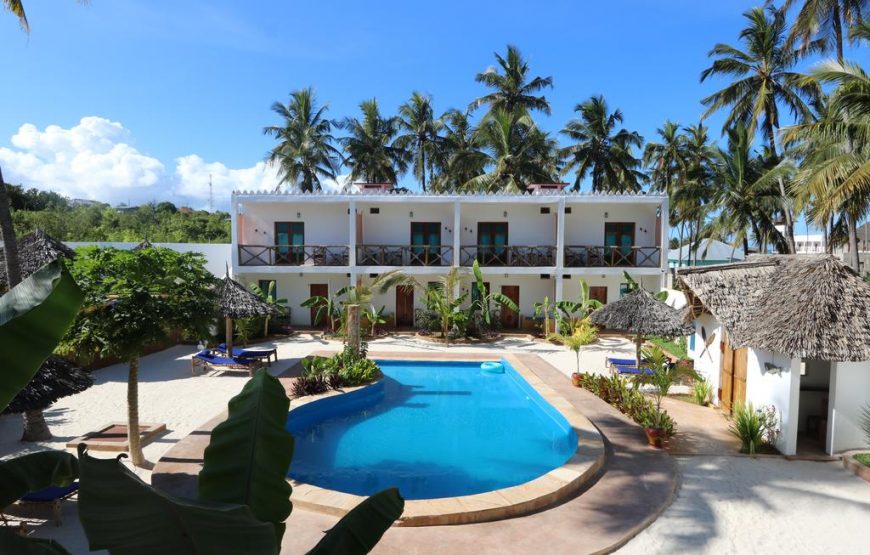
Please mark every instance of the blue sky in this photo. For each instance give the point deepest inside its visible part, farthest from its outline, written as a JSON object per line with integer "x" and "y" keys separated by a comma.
{"x": 182, "y": 89}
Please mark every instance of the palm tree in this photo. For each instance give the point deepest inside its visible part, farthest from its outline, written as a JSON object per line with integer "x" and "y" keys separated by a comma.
{"x": 457, "y": 158}
{"x": 822, "y": 23}
{"x": 514, "y": 90}
{"x": 372, "y": 154}
{"x": 305, "y": 153}
{"x": 690, "y": 198}
{"x": 764, "y": 81}
{"x": 421, "y": 137}
{"x": 666, "y": 159}
{"x": 516, "y": 152}
{"x": 601, "y": 149}
{"x": 746, "y": 193}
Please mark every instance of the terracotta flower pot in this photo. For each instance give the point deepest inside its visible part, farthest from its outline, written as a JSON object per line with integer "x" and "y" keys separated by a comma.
{"x": 575, "y": 379}
{"x": 655, "y": 437}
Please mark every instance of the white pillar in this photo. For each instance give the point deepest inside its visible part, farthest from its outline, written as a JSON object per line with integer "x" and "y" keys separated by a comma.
{"x": 235, "y": 210}
{"x": 558, "y": 296}
{"x": 351, "y": 218}
{"x": 664, "y": 243}
{"x": 560, "y": 235}
{"x": 457, "y": 231}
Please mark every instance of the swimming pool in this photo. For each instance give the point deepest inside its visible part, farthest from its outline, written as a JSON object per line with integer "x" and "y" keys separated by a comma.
{"x": 433, "y": 429}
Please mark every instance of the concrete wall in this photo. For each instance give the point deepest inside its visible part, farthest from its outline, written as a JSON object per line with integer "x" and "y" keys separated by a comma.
{"x": 217, "y": 255}
{"x": 325, "y": 223}
{"x": 708, "y": 360}
{"x": 392, "y": 226}
{"x": 584, "y": 226}
{"x": 296, "y": 289}
{"x": 850, "y": 393}
{"x": 780, "y": 390}
{"x": 526, "y": 227}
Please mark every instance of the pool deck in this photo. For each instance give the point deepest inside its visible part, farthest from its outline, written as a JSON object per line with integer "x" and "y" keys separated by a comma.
{"x": 634, "y": 486}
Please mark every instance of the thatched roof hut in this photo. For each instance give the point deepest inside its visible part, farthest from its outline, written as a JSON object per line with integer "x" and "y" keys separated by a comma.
{"x": 639, "y": 312}
{"x": 35, "y": 250}
{"x": 804, "y": 306}
{"x": 235, "y": 301}
{"x": 145, "y": 244}
{"x": 56, "y": 378}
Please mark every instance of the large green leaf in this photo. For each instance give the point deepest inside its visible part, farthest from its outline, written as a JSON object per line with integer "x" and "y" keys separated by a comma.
{"x": 34, "y": 315}
{"x": 35, "y": 471}
{"x": 12, "y": 542}
{"x": 247, "y": 459}
{"x": 123, "y": 514}
{"x": 361, "y": 529}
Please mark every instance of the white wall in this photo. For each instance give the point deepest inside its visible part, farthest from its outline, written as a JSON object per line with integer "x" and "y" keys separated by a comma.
{"x": 584, "y": 226}
{"x": 526, "y": 227}
{"x": 325, "y": 223}
{"x": 780, "y": 390}
{"x": 850, "y": 393}
{"x": 708, "y": 360}
{"x": 571, "y": 286}
{"x": 392, "y": 226}
{"x": 296, "y": 290}
{"x": 217, "y": 255}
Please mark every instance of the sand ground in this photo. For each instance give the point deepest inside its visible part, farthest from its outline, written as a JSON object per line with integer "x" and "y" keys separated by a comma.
{"x": 730, "y": 505}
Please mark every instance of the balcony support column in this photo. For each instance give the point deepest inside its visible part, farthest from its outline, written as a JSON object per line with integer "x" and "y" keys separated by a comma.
{"x": 664, "y": 240}
{"x": 558, "y": 291}
{"x": 560, "y": 236}
{"x": 351, "y": 250}
{"x": 457, "y": 231}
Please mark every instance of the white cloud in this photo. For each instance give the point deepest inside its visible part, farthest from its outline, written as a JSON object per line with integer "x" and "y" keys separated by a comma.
{"x": 94, "y": 159}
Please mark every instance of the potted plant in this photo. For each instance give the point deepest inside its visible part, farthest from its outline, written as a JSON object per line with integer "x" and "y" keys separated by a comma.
{"x": 655, "y": 427}
{"x": 575, "y": 379}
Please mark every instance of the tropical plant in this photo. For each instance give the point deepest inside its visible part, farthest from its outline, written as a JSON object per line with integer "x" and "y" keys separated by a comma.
{"x": 134, "y": 299}
{"x": 244, "y": 329}
{"x": 600, "y": 150}
{"x": 419, "y": 134}
{"x": 458, "y": 157}
{"x": 823, "y": 24}
{"x": 514, "y": 91}
{"x": 614, "y": 390}
{"x": 544, "y": 309}
{"x": 268, "y": 296}
{"x": 584, "y": 334}
{"x": 483, "y": 299}
{"x": 667, "y": 159}
{"x": 371, "y": 151}
{"x": 691, "y": 199}
{"x": 702, "y": 391}
{"x": 663, "y": 374}
{"x": 305, "y": 152}
{"x": 375, "y": 317}
{"x": 765, "y": 81}
{"x": 572, "y": 312}
{"x": 748, "y": 425}
{"x": 328, "y": 308}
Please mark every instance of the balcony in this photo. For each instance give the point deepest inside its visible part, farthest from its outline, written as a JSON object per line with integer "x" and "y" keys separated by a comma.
{"x": 516, "y": 256}
{"x": 293, "y": 255}
{"x": 404, "y": 255}
{"x": 612, "y": 256}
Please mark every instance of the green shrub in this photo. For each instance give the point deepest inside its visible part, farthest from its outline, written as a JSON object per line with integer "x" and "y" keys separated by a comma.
{"x": 748, "y": 425}
{"x": 702, "y": 391}
{"x": 344, "y": 369}
{"x": 615, "y": 391}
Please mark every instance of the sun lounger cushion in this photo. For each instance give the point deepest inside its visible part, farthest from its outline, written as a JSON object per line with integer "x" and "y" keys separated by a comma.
{"x": 212, "y": 358}
{"x": 632, "y": 369}
{"x": 622, "y": 361}
{"x": 246, "y": 352}
{"x": 51, "y": 493}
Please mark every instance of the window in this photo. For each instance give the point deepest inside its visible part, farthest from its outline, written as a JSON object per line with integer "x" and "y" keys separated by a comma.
{"x": 425, "y": 243}
{"x": 545, "y": 210}
{"x": 624, "y": 289}
{"x": 619, "y": 240}
{"x": 374, "y": 210}
{"x": 289, "y": 241}
{"x": 567, "y": 209}
{"x": 264, "y": 287}
{"x": 492, "y": 240}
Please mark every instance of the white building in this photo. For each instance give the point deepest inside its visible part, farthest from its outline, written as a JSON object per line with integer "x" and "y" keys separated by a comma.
{"x": 528, "y": 245}
{"x": 791, "y": 331}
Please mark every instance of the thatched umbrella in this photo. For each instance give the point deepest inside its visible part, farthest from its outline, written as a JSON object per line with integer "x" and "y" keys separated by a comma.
{"x": 237, "y": 302}
{"x": 641, "y": 314}
{"x": 35, "y": 250}
{"x": 55, "y": 379}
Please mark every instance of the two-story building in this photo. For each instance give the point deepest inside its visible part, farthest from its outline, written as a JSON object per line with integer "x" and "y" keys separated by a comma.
{"x": 529, "y": 246}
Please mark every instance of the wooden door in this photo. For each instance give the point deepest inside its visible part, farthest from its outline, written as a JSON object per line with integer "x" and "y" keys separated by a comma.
{"x": 738, "y": 389}
{"x": 598, "y": 293}
{"x": 733, "y": 376}
{"x": 404, "y": 306}
{"x": 510, "y": 319}
{"x": 619, "y": 240}
{"x": 318, "y": 290}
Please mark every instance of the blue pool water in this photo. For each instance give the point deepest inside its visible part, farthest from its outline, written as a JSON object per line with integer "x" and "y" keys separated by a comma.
{"x": 432, "y": 429}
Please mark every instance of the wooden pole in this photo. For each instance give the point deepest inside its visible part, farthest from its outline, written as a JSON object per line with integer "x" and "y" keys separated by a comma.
{"x": 639, "y": 342}
{"x": 229, "y": 336}
{"x": 353, "y": 331}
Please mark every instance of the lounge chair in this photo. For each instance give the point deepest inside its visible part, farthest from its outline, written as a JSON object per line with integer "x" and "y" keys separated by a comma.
{"x": 209, "y": 359}
{"x": 622, "y": 361}
{"x": 245, "y": 352}
{"x": 52, "y": 497}
{"x": 631, "y": 369}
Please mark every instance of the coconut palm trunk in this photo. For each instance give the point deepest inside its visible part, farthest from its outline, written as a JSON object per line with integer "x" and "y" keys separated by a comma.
{"x": 786, "y": 204}
{"x": 35, "y": 427}
{"x": 136, "y": 456}
{"x": 852, "y": 227}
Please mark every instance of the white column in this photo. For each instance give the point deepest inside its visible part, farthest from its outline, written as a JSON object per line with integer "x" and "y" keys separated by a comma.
{"x": 234, "y": 237}
{"x": 558, "y": 296}
{"x": 560, "y": 235}
{"x": 351, "y": 218}
{"x": 457, "y": 231}
{"x": 663, "y": 246}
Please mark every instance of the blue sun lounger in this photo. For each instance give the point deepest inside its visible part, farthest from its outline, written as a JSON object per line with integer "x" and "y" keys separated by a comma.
{"x": 52, "y": 497}
{"x": 245, "y": 352}
{"x": 631, "y": 369}
{"x": 209, "y": 359}
{"x": 621, "y": 361}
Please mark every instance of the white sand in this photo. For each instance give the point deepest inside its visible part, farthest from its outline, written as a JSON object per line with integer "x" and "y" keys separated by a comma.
{"x": 766, "y": 505}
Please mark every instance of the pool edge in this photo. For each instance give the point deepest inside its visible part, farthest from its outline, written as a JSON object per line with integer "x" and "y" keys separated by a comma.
{"x": 546, "y": 490}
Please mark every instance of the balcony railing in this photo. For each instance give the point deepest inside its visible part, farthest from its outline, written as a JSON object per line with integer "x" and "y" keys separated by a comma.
{"x": 512, "y": 255}
{"x": 404, "y": 255}
{"x": 602, "y": 257}
{"x": 293, "y": 255}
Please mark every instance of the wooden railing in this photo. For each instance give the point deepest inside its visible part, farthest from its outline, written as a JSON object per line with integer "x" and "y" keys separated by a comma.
{"x": 599, "y": 257}
{"x": 293, "y": 255}
{"x": 404, "y": 255}
{"x": 508, "y": 255}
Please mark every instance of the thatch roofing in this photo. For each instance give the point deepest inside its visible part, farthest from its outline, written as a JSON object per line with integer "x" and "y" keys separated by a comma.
{"x": 803, "y": 306}
{"x": 236, "y": 302}
{"x": 35, "y": 250}
{"x": 639, "y": 312}
{"x": 145, "y": 244}
{"x": 56, "y": 378}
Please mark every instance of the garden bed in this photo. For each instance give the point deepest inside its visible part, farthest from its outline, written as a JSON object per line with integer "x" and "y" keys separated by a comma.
{"x": 859, "y": 464}
{"x": 436, "y": 338}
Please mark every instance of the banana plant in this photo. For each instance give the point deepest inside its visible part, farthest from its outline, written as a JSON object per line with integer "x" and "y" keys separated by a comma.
{"x": 375, "y": 317}
{"x": 268, "y": 297}
{"x": 545, "y": 309}
{"x": 485, "y": 299}
{"x": 328, "y": 307}
{"x": 573, "y": 312}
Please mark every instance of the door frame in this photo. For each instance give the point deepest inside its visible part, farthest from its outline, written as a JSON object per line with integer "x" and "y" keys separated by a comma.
{"x": 408, "y": 292}
{"x": 430, "y": 258}
{"x": 732, "y": 374}
{"x": 504, "y": 311}
{"x": 313, "y": 310}
{"x": 614, "y": 258}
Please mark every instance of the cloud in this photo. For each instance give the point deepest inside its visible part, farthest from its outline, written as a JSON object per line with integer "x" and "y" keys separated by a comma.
{"x": 95, "y": 159}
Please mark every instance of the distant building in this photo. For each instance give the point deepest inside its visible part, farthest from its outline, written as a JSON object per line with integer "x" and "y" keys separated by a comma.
{"x": 709, "y": 251}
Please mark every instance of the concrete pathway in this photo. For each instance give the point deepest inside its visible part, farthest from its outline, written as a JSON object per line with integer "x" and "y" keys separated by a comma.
{"x": 700, "y": 430}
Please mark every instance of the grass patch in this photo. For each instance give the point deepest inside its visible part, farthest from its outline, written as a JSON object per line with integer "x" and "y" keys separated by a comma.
{"x": 863, "y": 458}
{"x": 685, "y": 398}
{"x": 677, "y": 347}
